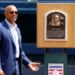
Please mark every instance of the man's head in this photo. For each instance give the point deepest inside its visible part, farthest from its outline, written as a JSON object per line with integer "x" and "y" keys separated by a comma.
{"x": 57, "y": 18}
{"x": 11, "y": 13}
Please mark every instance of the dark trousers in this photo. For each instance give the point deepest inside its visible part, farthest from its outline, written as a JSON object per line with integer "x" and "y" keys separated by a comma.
{"x": 16, "y": 71}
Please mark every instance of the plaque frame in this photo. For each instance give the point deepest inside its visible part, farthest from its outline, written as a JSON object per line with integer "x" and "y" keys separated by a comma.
{"x": 66, "y": 26}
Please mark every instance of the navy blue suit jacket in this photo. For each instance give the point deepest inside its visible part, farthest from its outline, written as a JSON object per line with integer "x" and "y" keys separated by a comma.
{"x": 7, "y": 49}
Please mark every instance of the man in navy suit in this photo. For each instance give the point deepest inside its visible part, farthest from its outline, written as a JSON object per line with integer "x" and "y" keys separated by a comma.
{"x": 10, "y": 45}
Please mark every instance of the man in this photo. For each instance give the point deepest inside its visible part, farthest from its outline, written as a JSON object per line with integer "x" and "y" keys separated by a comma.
{"x": 10, "y": 45}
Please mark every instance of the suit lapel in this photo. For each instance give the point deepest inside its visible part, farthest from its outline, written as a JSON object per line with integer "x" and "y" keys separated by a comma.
{"x": 8, "y": 31}
{"x": 10, "y": 34}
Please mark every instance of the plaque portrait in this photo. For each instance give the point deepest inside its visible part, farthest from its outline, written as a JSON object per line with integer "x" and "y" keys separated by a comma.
{"x": 55, "y": 26}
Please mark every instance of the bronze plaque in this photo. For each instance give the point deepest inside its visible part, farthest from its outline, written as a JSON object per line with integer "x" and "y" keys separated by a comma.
{"x": 55, "y": 26}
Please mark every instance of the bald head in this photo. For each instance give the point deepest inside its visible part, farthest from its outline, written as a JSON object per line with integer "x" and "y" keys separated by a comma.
{"x": 9, "y": 7}
{"x": 11, "y": 13}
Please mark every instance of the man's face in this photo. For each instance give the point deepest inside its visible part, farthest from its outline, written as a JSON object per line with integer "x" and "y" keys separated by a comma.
{"x": 57, "y": 18}
{"x": 11, "y": 14}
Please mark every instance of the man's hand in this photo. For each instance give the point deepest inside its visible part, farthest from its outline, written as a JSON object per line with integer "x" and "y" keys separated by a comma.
{"x": 34, "y": 66}
{"x": 1, "y": 72}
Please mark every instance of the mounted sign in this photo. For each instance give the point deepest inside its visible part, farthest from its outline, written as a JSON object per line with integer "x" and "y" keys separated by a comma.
{"x": 55, "y": 25}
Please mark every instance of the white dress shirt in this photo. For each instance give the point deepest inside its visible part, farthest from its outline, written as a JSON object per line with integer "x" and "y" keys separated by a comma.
{"x": 15, "y": 36}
